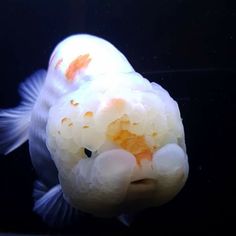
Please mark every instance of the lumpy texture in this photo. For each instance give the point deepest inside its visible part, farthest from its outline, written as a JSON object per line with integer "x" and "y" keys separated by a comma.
{"x": 125, "y": 122}
{"x": 98, "y": 117}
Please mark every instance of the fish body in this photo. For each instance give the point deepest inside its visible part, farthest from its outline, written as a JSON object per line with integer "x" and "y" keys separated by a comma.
{"x": 102, "y": 139}
{"x": 58, "y": 82}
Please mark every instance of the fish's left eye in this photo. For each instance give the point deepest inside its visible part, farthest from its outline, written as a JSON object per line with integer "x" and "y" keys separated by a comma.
{"x": 87, "y": 152}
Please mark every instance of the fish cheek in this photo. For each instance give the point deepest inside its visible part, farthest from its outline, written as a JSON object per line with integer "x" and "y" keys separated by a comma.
{"x": 99, "y": 185}
{"x": 171, "y": 166}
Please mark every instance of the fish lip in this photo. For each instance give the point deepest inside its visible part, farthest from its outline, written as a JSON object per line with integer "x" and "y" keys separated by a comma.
{"x": 143, "y": 181}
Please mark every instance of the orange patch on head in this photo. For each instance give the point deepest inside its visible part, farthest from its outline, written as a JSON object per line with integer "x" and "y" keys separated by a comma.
{"x": 131, "y": 142}
{"x": 79, "y": 63}
{"x": 88, "y": 114}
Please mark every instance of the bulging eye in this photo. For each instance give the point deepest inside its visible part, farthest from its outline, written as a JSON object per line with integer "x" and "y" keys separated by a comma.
{"x": 87, "y": 152}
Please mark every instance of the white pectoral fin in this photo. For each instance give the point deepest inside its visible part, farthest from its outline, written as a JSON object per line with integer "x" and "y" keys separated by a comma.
{"x": 171, "y": 166}
{"x": 52, "y": 207}
{"x": 126, "y": 219}
{"x": 14, "y": 123}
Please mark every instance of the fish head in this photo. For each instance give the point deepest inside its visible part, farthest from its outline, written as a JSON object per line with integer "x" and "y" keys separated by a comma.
{"x": 117, "y": 150}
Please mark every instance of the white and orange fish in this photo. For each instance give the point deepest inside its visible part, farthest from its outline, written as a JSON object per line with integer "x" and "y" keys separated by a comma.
{"x": 102, "y": 139}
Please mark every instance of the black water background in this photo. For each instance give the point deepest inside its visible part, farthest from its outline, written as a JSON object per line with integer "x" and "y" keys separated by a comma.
{"x": 186, "y": 46}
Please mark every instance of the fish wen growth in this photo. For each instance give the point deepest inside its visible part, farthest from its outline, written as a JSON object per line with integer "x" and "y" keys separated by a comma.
{"x": 103, "y": 140}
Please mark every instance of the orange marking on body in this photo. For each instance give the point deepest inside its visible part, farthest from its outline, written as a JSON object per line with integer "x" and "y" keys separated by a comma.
{"x": 74, "y": 103}
{"x": 58, "y": 63}
{"x": 79, "y": 63}
{"x": 88, "y": 114}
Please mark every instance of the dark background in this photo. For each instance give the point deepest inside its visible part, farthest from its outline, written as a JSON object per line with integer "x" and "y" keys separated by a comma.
{"x": 186, "y": 46}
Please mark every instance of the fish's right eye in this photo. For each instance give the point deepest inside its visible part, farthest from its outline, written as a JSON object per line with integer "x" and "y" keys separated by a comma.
{"x": 87, "y": 152}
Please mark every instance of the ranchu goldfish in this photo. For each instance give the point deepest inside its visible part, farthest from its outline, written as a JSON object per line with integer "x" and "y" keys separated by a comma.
{"x": 103, "y": 140}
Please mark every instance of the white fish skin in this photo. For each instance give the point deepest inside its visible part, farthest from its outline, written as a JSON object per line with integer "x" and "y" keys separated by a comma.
{"x": 88, "y": 77}
{"x": 55, "y": 86}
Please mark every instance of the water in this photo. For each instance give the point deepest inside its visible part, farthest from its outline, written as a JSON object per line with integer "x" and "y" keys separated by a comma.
{"x": 188, "y": 47}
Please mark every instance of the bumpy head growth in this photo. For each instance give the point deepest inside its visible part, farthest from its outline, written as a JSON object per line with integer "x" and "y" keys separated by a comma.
{"x": 135, "y": 137}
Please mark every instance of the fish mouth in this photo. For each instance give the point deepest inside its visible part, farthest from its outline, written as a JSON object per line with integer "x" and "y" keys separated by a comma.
{"x": 145, "y": 181}
{"x": 140, "y": 194}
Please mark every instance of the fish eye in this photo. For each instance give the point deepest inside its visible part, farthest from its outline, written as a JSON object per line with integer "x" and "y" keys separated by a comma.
{"x": 87, "y": 152}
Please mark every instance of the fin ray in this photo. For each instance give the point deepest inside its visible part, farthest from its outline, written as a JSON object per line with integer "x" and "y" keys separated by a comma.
{"x": 30, "y": 88}
{"x": 52, "y": 207}
{"x": 126, "y": 219}
{"x": 14, "y": 122}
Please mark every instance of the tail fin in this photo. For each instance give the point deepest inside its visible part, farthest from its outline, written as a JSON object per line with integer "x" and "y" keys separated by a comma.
{"x": 14, "y": 123}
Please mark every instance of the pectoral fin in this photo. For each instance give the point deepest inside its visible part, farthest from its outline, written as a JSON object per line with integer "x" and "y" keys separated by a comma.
{"x": 126, "y": 219}
{"x": 51, "y": 205}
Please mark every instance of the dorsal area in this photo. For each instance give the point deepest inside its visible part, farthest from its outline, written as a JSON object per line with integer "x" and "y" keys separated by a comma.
{"x": 87, "y": 55}
{"x": 78, "y": 64}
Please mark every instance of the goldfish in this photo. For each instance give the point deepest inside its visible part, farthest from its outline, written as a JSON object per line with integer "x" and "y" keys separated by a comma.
{"x": 103, "y": 140}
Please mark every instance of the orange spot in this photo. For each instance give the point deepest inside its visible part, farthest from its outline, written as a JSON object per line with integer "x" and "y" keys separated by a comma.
{"x": 117, "y": 103}
{"x": 88, "y": 114}
{"x": 133, "y": 143}
{"x": 65, "y": 119}
{"x": 58, "y": 63}
{"x": 79, "y": 63}
{"x": 74, "y": 103}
